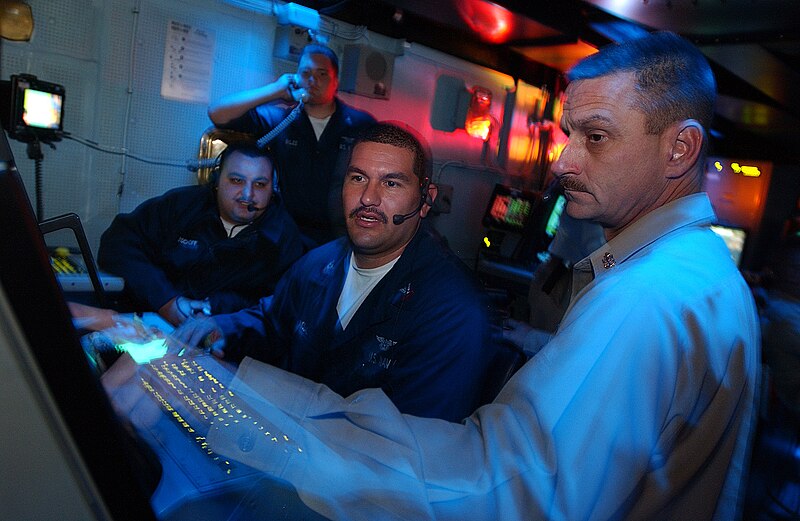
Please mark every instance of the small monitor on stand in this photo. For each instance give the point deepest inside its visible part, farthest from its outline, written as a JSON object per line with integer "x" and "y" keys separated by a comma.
{"x": 34, "y": 115}
{"x": 35, "y": 111}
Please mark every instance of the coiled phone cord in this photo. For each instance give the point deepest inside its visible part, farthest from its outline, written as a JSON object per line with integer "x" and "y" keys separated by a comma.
{"x": 269, "y": 136}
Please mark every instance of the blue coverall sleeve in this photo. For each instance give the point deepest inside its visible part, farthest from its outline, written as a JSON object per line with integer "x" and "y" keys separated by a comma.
{"x": 129, "y": 248}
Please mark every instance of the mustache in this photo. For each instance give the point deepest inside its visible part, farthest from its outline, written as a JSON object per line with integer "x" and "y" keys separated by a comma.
{"x": 369, "y": 210}
{"x": 570, "y": 183}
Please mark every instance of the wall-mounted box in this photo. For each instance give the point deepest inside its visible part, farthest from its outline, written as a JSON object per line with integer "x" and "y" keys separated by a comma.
{"x": 289, "y": 42}
{"x": 366, "y": 71}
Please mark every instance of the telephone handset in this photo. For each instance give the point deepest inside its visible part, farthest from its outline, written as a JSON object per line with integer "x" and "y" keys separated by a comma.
{"x": 301, "y": 96}
{"x": 298, "y": 93}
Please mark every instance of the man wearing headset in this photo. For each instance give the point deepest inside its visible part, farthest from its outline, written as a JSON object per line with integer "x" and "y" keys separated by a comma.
{"x": 311, "y": 152}
{"x": 213, "y": 248}
{"x": 387, "y": 306}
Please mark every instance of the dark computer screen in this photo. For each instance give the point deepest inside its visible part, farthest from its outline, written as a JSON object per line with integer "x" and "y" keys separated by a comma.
{"x": 39, "y": 308}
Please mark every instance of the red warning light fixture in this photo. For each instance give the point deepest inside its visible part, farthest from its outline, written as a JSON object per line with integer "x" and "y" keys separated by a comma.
{"x": 491, "y": 22}
{"x": 479, "y": 120}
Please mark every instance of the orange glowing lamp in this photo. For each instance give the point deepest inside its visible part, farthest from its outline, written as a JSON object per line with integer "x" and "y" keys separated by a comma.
{"x": 479, "y": 120}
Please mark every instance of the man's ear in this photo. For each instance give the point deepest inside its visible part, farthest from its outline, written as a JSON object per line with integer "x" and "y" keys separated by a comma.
{"x": 430, "y": 197}
{"x": 685, "y": 148}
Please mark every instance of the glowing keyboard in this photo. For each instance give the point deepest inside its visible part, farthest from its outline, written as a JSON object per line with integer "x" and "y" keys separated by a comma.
{"x": 195, "y": 400}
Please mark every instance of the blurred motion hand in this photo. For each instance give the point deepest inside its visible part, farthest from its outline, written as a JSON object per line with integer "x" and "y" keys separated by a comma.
{"x": 527, "y": 338}
{"x": 92, "y": 318}
{"x": 199, "y": 332}
{"x": 515, "y": 331}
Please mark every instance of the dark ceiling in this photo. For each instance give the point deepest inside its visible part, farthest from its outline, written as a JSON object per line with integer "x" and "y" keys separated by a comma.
{"x": 753, "y": 46}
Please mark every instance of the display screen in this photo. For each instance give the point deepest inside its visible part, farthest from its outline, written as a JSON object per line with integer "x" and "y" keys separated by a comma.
{"x": 509, "y": 208}
{"x": 551, "y": 226}
{"x": 42, "y": 109}
{"x": 734, "y": 239}
{"x": 36, "y": 109}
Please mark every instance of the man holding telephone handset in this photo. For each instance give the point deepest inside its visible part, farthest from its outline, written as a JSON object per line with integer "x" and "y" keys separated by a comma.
{"x": 311, "y": 152}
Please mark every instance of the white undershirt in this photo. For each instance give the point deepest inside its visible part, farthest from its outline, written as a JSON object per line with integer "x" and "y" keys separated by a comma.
{"x": 231, "y": 229}
{"x": 357, "y": 286}
{"x": 319, "y": 124}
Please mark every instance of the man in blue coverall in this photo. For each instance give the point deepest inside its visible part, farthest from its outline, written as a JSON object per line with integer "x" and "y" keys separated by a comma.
{"x": 311, "y": 152}
{"x": 216, "y": 248}
{"x": 386, "y": 307}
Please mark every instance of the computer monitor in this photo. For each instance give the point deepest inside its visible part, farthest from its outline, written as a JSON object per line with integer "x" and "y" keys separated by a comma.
{"x": 734, "y": 238}
{"x": 35, "y": 110}
{"x": 52, "y": 345}
{"x": 510, "y": 209}
{"x": 541, "y": 227}
{"x": 532, "y": 218}
{"x": 554, "y": 216}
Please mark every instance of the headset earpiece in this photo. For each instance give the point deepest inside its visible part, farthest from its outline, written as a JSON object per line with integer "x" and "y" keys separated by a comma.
{"x": 423, "y": 192}
{"x": 399, "y": 219}
{"x": 213, "y": 176}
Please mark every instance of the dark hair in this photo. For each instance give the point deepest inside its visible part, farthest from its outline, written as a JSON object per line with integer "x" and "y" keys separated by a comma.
{"x": 316, "y": 48}
{"x": 248, "y": 148}
{"x": 673, "y": 78}
{"x": 401, "y": 136}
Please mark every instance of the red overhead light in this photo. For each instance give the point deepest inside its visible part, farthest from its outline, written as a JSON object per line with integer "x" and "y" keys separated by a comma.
{"x": 489, "y": 21}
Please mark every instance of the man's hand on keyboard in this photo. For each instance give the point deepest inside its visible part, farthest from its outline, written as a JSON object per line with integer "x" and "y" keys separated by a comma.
{"x": 201, "y": 332}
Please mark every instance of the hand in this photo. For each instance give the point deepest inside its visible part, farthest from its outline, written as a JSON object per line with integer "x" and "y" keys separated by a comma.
{"x": 527, "y": 338}
{"x": 178, "y": 309}
{"x": 202, "y": 332}
{"x": 193, "y": 308}
{"x": 294, "y": 92}
{"x": 92, "y": 318}
{"x": 515, "y": 331}
{"x": 292, "y": 89}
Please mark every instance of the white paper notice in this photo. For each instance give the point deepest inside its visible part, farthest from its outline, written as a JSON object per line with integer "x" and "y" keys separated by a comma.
{"x": 188, "y": 59}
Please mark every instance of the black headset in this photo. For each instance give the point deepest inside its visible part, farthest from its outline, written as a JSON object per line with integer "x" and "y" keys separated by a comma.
{"x": 216, "y": 168}
{"x": 424, "y": 198}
